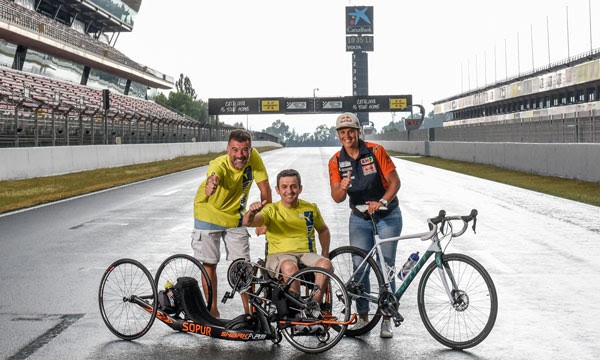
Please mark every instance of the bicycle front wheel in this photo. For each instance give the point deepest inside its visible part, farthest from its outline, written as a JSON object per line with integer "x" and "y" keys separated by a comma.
{"x": 127, "y": 299}
{"x": 458, "y": 316}
{"x": 180, "y": 265}
{"x": 363, "y": 285}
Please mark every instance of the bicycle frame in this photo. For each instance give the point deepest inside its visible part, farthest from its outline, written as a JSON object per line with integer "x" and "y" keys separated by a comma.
{"x": 434, "y": 248}
{"x": 456, "y": 297}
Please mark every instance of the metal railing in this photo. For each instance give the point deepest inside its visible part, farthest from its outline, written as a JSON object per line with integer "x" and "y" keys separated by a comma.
{"x": 572, "y": 127}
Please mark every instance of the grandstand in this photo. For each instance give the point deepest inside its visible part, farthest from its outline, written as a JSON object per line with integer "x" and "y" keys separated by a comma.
{"x": 62, "y": 82}
{"x": 557, "y": 103}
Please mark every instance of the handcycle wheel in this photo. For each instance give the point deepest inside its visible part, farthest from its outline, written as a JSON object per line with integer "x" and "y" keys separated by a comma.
{"x": 333, "y": 306}
{"x": 127, "y": 298}
{"x": 179, "y": 265}
{"x": 345, "y": 260}
{"x": 469, "y": 318}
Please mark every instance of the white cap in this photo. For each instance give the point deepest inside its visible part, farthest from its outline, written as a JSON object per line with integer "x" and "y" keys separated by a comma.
{"x": 347, "y": 120}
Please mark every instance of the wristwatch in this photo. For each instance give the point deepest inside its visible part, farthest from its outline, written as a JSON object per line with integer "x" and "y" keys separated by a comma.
{"x": 383, "y": 202}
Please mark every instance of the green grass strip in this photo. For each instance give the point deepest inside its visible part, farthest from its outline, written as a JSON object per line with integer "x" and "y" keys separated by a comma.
{"x": 18, "y": 194}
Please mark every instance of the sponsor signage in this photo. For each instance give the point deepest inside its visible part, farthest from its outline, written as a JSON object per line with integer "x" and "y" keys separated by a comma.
{"x": 411, "y": 123}
{"x": 359, "y": 43}
{"x": 325, "y": 105}
{"x": 299, "y": 105}
{"x": 233, "y": 106}
{"x": 378, "y": 103}
{"x": 359, "y": 20}
{"x": 357, "y": 103}
{"x": 271, "y": 105}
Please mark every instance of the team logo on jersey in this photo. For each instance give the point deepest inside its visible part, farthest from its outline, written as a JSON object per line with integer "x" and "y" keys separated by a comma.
{"x": 309, "y": 219}
{"x": 310, "y": 223}
{"x": 369, "y": 169}
{"x": 247, "y": 180}
{"x": 367, "y": 160}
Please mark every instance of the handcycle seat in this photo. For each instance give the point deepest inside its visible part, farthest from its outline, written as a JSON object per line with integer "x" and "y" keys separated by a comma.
{"x": 188, "y": 294}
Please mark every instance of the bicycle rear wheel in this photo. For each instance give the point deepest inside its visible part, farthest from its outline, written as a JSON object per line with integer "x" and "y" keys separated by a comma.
{"x": 180, "y": 265}
{"x": 127, "y": 298}
{"x": 363, "y": 286}
{"x": 467, "y": 319}
{"x": 333, "y": 306}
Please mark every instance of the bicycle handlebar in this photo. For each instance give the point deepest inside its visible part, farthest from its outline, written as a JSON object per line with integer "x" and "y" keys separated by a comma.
{"x": 433, "y": 222}
{"x": 441, "y": 218}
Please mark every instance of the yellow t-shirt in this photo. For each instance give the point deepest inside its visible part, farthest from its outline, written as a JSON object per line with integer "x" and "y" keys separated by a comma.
{"x": 227, "y": 205}
{"x": 291, "y": 230}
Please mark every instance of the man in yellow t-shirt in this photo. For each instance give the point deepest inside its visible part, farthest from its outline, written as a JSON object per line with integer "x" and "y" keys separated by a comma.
{"x": 220, "y": 204}
{"x": 291, "y": 225}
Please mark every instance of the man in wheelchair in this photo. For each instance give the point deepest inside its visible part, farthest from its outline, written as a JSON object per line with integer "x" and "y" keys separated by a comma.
{"x": 291, "y": 224}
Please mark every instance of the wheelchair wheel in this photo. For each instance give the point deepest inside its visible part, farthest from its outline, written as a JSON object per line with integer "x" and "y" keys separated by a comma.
{"x": 179, "y": 265}
{"x": 127, "y": 299}
{"x": 334, "y": 306}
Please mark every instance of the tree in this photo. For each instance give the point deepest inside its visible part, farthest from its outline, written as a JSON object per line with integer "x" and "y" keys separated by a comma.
{"x": 279, "y": 129}
{"x": 184, "y": 100}
{"x": 239, "y": 125}
{"x": 322, "y": 133}
{"x": 393, "y": 127}
{"x": 184, "y": 85}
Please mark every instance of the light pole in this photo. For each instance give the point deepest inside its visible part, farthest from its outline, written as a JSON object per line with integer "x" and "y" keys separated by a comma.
{"x": 315, "y": 99}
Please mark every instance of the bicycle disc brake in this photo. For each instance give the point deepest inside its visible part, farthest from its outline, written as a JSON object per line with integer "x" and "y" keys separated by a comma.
{"x": 461, "y": 300}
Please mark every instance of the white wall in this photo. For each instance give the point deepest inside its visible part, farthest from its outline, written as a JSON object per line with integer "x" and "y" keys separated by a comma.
{"x": 574, "y": 161}
{"x": 24, "y": 163}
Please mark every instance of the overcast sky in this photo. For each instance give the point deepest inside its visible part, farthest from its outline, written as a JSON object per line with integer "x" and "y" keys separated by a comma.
{"x": 286, "y": 48}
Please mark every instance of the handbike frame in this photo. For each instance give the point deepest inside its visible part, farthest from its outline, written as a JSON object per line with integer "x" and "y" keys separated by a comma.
{"x": 211, "y": 330}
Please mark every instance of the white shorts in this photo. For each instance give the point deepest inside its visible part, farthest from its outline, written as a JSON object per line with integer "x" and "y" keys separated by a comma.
{"x": 307, "y": 259}
{"x": 207, "y": 244}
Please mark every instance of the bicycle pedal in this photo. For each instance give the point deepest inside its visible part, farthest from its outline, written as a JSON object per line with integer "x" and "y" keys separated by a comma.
{"x": 398, "y": 319}
{"x": 227, "y": 295}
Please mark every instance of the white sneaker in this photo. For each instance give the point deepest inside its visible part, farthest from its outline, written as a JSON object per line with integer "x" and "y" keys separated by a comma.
{"x": 359, "y": 324}
{"x": 386, "y": 329}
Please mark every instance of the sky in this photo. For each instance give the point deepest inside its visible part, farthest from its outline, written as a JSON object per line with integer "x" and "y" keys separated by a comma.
{"x": 431, "y": 49}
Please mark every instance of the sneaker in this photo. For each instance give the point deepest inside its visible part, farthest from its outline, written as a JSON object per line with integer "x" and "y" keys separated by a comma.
{"x": 360, "y": 324}
{"x": 386, "y": 329}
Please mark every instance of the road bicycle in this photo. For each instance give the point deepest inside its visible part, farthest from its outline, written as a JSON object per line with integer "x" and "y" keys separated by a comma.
{"x": 456, "y": 297}
{"x": 129, "y": 303}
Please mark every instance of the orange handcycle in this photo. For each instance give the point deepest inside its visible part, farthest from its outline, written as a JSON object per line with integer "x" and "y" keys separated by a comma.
{"x": 130, "y": 302}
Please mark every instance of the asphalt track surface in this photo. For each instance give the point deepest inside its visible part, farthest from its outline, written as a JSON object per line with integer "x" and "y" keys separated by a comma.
{"x": 543, "y": 254}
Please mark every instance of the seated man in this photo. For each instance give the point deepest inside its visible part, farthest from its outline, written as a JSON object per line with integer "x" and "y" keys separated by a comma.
{"x": 291, "y": 225}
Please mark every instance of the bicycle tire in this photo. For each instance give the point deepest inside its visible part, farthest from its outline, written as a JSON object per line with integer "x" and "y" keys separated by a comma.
{"x": 343, "y": 265}
{"x": 176, "y": 266}
{"x": 467, "y": 320}
{"x": 122, "y": 280}
{"x": 333, "y": 306}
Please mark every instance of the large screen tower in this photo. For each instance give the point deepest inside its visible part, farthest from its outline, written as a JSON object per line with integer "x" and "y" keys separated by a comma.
{"x": 359, "y": 40}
